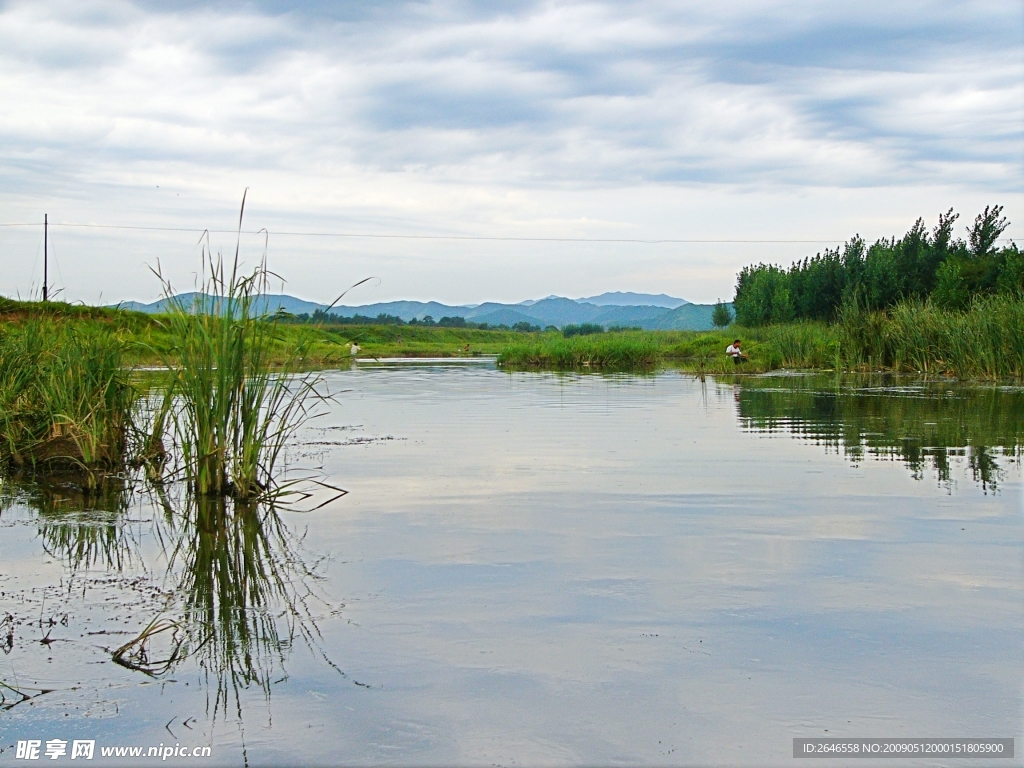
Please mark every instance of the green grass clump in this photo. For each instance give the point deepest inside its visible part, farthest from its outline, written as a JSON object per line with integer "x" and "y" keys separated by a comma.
{"x": 983, "y": 341}
{"x": 66, "y": 400}
{"x": 234, "y": 404}
{"x": 609, "y": 351}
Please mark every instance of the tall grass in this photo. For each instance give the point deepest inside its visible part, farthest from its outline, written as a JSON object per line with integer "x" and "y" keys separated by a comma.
{"x": 233, "y": 409}
{"x": 984, "y": 341}
{"x": 610, "y": 351}
{"x": 66, "y": 399}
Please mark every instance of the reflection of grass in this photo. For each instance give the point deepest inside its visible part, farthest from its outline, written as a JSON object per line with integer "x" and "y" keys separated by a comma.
{"x": 243, "y": 590}
{"x": 79, "y": 523}
{"x": 13, "y": 695}
{"x": 923, "y": 428}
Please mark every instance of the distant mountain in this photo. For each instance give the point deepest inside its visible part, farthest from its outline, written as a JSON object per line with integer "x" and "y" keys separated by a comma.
{"x": 689, "y": 317}
{"x": 621, "y": 299}
{"x": 554, "y": 310}
{"x": 269, "y": 303}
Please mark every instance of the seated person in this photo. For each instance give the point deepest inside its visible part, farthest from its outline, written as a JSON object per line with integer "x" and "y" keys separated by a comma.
{"x": 734, "y": 351}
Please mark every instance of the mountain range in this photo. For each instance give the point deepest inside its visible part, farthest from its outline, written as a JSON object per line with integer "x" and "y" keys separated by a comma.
{"x": 636, "y": 310}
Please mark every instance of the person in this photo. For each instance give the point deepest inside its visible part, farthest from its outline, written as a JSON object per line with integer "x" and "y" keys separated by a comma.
{"x": 355, "y": 349}
{"x": 399, "y": 339}
{"x": 734, "y": 351}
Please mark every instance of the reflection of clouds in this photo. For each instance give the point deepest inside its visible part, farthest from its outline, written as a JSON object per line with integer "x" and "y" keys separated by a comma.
{"x": 701, "y": 581}
{"x": 702, "y": 586}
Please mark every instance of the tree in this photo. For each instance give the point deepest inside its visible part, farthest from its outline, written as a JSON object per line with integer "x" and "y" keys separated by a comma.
{"x": 721, "y": 316}
{"x": 988, "y": 226}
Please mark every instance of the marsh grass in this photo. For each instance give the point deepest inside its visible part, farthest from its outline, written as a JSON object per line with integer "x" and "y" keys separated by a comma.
{"x": 983, "y": 341}
{"x": 230, "y": 402}
{"x": 607, "y": 351}
{"x": 66, "y": 398}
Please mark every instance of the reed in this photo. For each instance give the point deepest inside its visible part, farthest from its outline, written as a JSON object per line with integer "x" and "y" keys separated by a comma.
{"x": 231, "y": 408}
{"x": 981, "y": 342}
{"x": 608, "y": 351}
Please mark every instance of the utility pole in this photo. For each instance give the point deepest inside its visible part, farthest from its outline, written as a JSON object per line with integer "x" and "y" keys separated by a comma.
{"x": 46, "y": 253}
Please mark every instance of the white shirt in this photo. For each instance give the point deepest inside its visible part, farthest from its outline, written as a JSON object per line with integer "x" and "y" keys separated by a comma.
{"x": 733, "y": 351}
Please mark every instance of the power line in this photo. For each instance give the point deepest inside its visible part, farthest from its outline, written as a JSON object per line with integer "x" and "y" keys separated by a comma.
{"x": 487, "y": 238}
{"x": 374, "y": 235}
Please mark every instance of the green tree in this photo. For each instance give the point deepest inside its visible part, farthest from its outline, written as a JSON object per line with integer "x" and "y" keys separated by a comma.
{"x": 951, "y": 291}
{"x": 721, "y": 316}
{"x": 988, "y": 226}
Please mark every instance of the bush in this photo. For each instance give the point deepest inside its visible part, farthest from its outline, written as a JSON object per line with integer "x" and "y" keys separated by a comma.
{"x": 584, "y": 329}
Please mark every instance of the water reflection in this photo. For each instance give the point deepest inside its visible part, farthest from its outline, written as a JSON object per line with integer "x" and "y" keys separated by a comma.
{"x": 79, "y": 524}
{"x": 238, "y": 590}
{"x": 243, "y": 593}
{"x": 925, "y": 425}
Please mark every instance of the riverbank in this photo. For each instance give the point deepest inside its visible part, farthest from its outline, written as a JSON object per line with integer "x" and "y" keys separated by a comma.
{"x": 147, "y": 340}
{"x": 981, "y": 342}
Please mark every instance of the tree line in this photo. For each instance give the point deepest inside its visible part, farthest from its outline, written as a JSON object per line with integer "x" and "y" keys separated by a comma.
{"x": 330, "y": 318}
{"x": 922, "y": 265}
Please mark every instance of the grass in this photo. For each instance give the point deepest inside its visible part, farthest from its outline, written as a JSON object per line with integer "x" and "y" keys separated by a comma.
{"x": 981, "y": 342}
{"x": 66, "y": 399}
{"x": 617, "y": 351}
{"x": 231, "y": 411}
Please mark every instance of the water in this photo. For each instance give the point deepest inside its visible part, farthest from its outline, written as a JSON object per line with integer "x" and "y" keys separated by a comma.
{"x": 547, "y": 569}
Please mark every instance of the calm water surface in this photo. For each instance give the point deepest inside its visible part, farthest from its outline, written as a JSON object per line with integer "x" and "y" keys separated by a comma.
{"x": 546, "y": 569}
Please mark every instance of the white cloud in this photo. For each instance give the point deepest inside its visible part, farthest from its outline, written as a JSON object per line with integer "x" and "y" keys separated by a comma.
{"x": 553, "y": 119}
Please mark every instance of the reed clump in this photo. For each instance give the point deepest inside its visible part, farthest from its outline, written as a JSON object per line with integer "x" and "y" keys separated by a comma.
{"x": 983, "y": 341}
{"x": 231, "y": 403}
{"x": 66, "y": 398}
{"x": 608, "y": 351}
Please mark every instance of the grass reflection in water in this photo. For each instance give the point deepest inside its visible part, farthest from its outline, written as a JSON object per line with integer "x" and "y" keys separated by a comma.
{"x": 238, "y": 593}
{"x": 923, "y": 424}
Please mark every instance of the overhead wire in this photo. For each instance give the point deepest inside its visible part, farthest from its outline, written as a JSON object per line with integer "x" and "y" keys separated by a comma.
{"x": 490, "y": 238}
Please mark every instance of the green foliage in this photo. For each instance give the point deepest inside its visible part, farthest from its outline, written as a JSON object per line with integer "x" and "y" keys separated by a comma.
{"x": 609, "y": 351}
{"x": 1011, "y": 277}
{"x": 763, "y": 296}
{"x": 915, "y": 267}
{"x": 65, "y": 396}
{"x": 981, "y": 341}
{"x": 988, "y": 226}
{"x": 951, "y": 289}
{"x": 583, "y": 329}
{"x": 232, "y": 413}
{"x": 721, "y": 316}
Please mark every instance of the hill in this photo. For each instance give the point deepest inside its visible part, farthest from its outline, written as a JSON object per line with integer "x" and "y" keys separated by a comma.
{"x": 554, "y": 310}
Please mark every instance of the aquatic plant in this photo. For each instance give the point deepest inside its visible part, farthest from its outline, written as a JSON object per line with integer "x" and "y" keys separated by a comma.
{"x": 982, "y": 341}
{"x": 609, "y": 351}
{"x": 232, "y": 409}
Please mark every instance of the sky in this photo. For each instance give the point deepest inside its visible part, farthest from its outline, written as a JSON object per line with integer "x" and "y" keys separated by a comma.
{"x": 467, "y": 152}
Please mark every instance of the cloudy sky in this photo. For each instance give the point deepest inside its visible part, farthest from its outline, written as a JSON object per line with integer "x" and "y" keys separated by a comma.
{"x": 551, "y": 126}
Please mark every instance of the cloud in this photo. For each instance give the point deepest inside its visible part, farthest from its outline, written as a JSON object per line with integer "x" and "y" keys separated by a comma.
{"x": 396, "y": 106}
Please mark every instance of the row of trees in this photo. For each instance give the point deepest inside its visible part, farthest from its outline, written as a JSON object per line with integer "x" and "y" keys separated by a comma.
{"x": 921, "y": 265}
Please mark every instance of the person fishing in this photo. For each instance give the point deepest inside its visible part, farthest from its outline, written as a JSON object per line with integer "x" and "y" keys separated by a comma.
{"x": 735, "y": 352}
